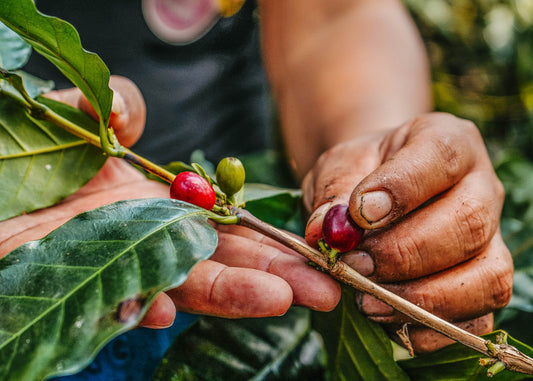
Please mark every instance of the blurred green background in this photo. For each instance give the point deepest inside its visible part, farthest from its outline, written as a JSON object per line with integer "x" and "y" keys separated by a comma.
{"x": 481, "y": 53}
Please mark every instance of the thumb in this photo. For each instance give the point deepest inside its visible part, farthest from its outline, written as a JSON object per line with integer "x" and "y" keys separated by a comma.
{"x": 334, "y": 177}
{"x": 438, "y": 151}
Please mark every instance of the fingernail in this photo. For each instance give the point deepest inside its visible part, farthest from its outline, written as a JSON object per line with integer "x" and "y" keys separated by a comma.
{"x": 375, "y": 205}
{"x": 313, "y": 230}
{"x": 319, "y": 212}
{"x": 373, "y": 307}
{"x": 322, "y": 210}
{"x": 360, "y": 261}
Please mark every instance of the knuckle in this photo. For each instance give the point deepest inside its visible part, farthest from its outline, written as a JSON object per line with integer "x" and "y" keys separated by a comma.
{"x": 504, "y": 292}
{"x": 473, "y": 230}
{"x": 397, "y": 258}
{"x": 471, "y": 135}
{"x": 429, "y": 298}
{"x": 502, "y": 287}
{"x": 499, "y": 190}
{"x": 470, "y": 129}
{"x": 451, "y": 155}
{"x": 454, "y": 145}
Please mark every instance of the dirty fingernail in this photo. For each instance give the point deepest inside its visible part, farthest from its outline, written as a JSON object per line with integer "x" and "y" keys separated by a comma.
{"x": 375, "y": 205}
{"x": 373, "y": 307}
{"x": 313, "y": 230}
{"x": 360, "y": 261}
{"x": 320, "y": 211}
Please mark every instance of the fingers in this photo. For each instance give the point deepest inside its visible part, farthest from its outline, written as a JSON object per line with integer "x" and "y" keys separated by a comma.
{"x": 128, "y": 111}
{"x": 438, "y": 151}
{"x": 334, "y": 177}
{"x": 215, "y": 289}
{"x": 257, "y": 237}
{"x": 249, "y": 275}
{"x": 474, "y": 288}
{"x": 448, "y": 231}
{"x": 339, "y": 170}
{"x": 310, "y": 288}
{"x": 160, "y": 314}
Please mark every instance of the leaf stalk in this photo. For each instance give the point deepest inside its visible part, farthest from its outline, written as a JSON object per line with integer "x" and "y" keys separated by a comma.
{"x": 95, "y": 140}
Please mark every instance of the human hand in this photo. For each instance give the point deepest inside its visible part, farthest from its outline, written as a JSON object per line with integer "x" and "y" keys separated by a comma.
{"x": 429, "y": 198}
{"x": 248, "y": 276}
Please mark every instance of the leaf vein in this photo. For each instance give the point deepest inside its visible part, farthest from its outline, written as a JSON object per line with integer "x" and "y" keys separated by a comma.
{"x": 29, "y": 297}
{"x": 13, "y": 354}
{"x": 14, "y": 137}
{"x": 21, "y": 186}
{"x": 40, "y": 125}
{"x": 61, "y": 266}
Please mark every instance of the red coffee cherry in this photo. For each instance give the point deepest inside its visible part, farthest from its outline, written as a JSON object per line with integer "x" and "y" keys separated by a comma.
{"x": 194, "y": 189}
{"x": 339, "y": 230}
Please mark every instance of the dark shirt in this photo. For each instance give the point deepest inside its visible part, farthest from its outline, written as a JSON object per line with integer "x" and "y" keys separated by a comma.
{"x": 210, "y": 95}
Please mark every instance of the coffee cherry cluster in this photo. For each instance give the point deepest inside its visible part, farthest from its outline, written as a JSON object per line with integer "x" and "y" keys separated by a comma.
{"x": 196, "y": 189}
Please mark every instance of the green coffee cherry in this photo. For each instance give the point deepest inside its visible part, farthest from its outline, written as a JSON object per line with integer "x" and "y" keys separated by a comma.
{"x": 230, "y": 175}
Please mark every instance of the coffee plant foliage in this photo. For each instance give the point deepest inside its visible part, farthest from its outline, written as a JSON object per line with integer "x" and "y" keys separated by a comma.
{"x": 481, "y": 55}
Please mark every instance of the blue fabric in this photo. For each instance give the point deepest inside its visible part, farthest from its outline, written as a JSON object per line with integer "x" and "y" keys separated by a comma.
{"x": 133, "y": 355}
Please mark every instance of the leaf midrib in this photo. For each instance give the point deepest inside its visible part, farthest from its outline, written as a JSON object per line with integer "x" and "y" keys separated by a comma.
{"x": 93, "y": 275}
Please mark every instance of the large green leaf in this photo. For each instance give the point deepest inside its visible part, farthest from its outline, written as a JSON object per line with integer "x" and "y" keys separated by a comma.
{"x": 64, "y": 296}
{"x": 40, "y": 163}
{"x": 280, "y": 348}
{"x": 14, "y": 51}
{"x": 59, "y": 42}
{"x": 358, "y": 348}
{"x": 457, "y": 362}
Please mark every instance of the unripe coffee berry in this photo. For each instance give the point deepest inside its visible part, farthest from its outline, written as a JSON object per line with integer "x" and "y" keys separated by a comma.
{"x": 230, "y": 175}
{"x": 194, "y": 189}
{"x": 339, "y": 231}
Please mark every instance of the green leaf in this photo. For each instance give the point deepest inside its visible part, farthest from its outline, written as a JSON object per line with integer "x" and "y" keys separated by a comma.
{"x": 59, "y": 42}
{"x": 14, "y": 51}
{"x": 280, "y": 207}
{"x": 199, "y": 158}
{"x": 35, "y": 86}
{"x": 457, "y": 362}
{"x": 261, "y": 191}
{"x": 64, "y": 296}
{"x": 358, "y": 348}
{"x": 280, "y": 348}
{"x": 40, "y": 163}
